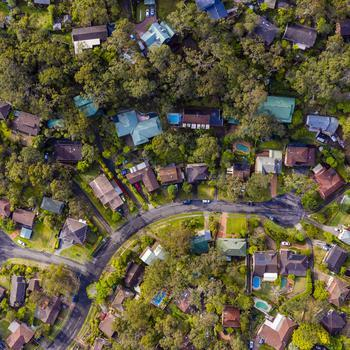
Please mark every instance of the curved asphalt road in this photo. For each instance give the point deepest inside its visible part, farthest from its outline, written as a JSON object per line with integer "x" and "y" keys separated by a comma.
{"x": 286, "y": 211}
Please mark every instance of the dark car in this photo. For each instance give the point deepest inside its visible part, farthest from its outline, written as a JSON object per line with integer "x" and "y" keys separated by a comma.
{"x": 75, "y": 298}
{"x": 187, "y": 202}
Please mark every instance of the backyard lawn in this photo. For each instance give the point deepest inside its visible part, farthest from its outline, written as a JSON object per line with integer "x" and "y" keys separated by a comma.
{"x": 204, "y": 191}
{"x": 299, "y": 286}
{"x": 236, "y": 224}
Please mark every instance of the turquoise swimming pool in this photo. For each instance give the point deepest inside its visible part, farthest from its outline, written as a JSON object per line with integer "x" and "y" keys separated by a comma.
{"x": 242, "y": 148}
{"x": 262, "y": 305}
{"x": 284, "y": 282}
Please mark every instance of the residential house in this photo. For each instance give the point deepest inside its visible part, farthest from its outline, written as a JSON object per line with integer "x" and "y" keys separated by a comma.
{"x": 277, "y": 333}
{"x": 88, "y": 37}
{"x": 5, "y": 109}
{"x": 230, "y": 317}
{"x": 74, "y": 231}
{"x": 106, "y": 192}
{"x": 335, "y": 258}
{"x": 157, "y": 34}
{"x": 343, "y": 28}
{"x": 20, "y": 335}
{"x": 279, "y": 107}
{"x": 33, "y": 285}
{"x": 322, "y": 124}
{"x": 297, "y": 156}
{"x": 271, "y": 4}
{"x": 197, "y": 118}
{"x": 334, "y": 322}
{"x": 133, "y": 275}
{"x": 18, "y": 291}
{"x": 184, "y": 301}
{"x": 269, "y": 162}
{"x": 240, "y": 170}
{"x": 344, "y": 235}
{"x": 26, "y": 123}
{"x": 86, "y": 106}
{"x": 196, "y": 172}
{"x": 107, "y": 325}
{"x": 232, "y": 247}
{"x": 171, "y": 174}
{"x": 293, "y": 264}
{"x": 214, "y": 8}
{"x": 328, "y": 180}
{"x": 339, "y": 291}
{"x": 24, "y": 218}
{"x": 302, "y": 36}
{"x": 48, "y": 310}
{"x": 152, "y": 254}
{"x": 42, "y": 2}
{"x": 265, "y": 265}
{"x": 5, "y": 208}
{"x": 2, "y": 293}
{"x": 139, "y": 127}
{"x": 52, "y": 205}
{"x": 68, "y": 152}
{"x": 266, "y": 30}
{"x": 121, "y": 295}
{"x": 143, "y": 173}
{"x": 200, "y": 242}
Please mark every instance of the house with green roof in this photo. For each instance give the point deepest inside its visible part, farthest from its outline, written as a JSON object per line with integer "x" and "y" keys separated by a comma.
{"x": 140, "y": 127}
{"x": 86, "y": 106}
{"x": 26, "y": 233}
{"x": 232, "y": 247}
{"x": 199, "y": 245}
{"x": 157, "y": 34}
{"x": 279, "y": 107}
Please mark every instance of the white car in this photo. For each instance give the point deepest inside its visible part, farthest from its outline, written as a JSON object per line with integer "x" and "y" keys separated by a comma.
{"x": 285, "y": 244}
{"x": 152, "y": 11}
{"x": 21, "y": 243}
{"x": 147, "y": 12}
{"x": 206, "y": 201}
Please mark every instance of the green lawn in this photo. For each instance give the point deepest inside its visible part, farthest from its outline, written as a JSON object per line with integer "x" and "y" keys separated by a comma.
{"x": 204, "y": 191}
{"x": 165, "y": 7}
{"x": 174, "y": 222}
{"x": 39, "y": 18}
{"x": 236, "y": 224}
{"x": 299, "y": 286}
{"x": 4, "y": 332}
{"x": 77, "y": 253}
{"x": 272, "y": 144}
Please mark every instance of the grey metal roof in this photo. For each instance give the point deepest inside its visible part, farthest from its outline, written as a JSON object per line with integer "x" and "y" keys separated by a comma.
{"x": 325, "y": 124}
{"x": 52, "y": 205}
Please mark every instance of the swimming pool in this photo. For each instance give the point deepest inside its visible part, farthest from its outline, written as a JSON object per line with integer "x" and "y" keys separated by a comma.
{"x": 242, "y": 148}
{"x": 174, "y": 118}
{"x": 262, "y": 305}
{"x": 159, "y": 298}
{"x": 283, "y": 282}
{"x": 256, "y": 282}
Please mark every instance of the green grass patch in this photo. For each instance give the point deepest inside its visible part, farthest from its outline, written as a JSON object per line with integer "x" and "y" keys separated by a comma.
{"x": 236, "y": 225}
{"x": 141, "y": 12}
{"x": 4, "y": 332}
{"x": 165, "y": 7}
{"x": 39, "y": 18}
{"x": 77, "y": 253}
{"x": 43, "y": 237}
{"x": 204, "y": 191}
{"x": 272, "y": 144}
{"x": 299, "y": 286}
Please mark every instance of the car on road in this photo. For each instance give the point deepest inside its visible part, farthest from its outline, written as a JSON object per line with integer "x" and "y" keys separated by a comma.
{"x": 251, "y": 345}
{"x": 285, "y": 244}
{"x": 271, "y": 218}
{"x": 206, "y": 201}
{"x": 152, "y": 13}
{"x": 337, "y": 229}
{"x": 147, "y": 12}
{"x": 187, "y": 202}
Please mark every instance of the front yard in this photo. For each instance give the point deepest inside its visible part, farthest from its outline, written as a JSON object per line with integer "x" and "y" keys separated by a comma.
{"x": 205, "y": 191}
{"x": 236, "y": 225}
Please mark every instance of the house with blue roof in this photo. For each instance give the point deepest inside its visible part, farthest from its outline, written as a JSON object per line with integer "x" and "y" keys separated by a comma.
{"x": 214, "y": 8}
{"x": 86, "y": 106}
{"x": 279, "y": 107}
{"x": 26, "y": 233}
{"x": 140, "y": 127}
{"x": 157, "y": 34}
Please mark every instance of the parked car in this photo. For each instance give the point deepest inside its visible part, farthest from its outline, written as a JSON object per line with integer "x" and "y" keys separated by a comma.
{"x": 153, "y": 12}
{"x": 125, "y": 171}
{"x": 251, "y": 345}
{"x": 21, "y": 243}
{"x": 271, "y": 218}
{"x": 285, "y": 244}
{"x": 337, "y": 229}
{"x": 75, "y": 298}
{"x": 147, "y": 12}
{"x": 187, "y": 202}
{"x": 137, "y": 186}
{"x": 326, "y": 247}
{"x": 206, "y": 201}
